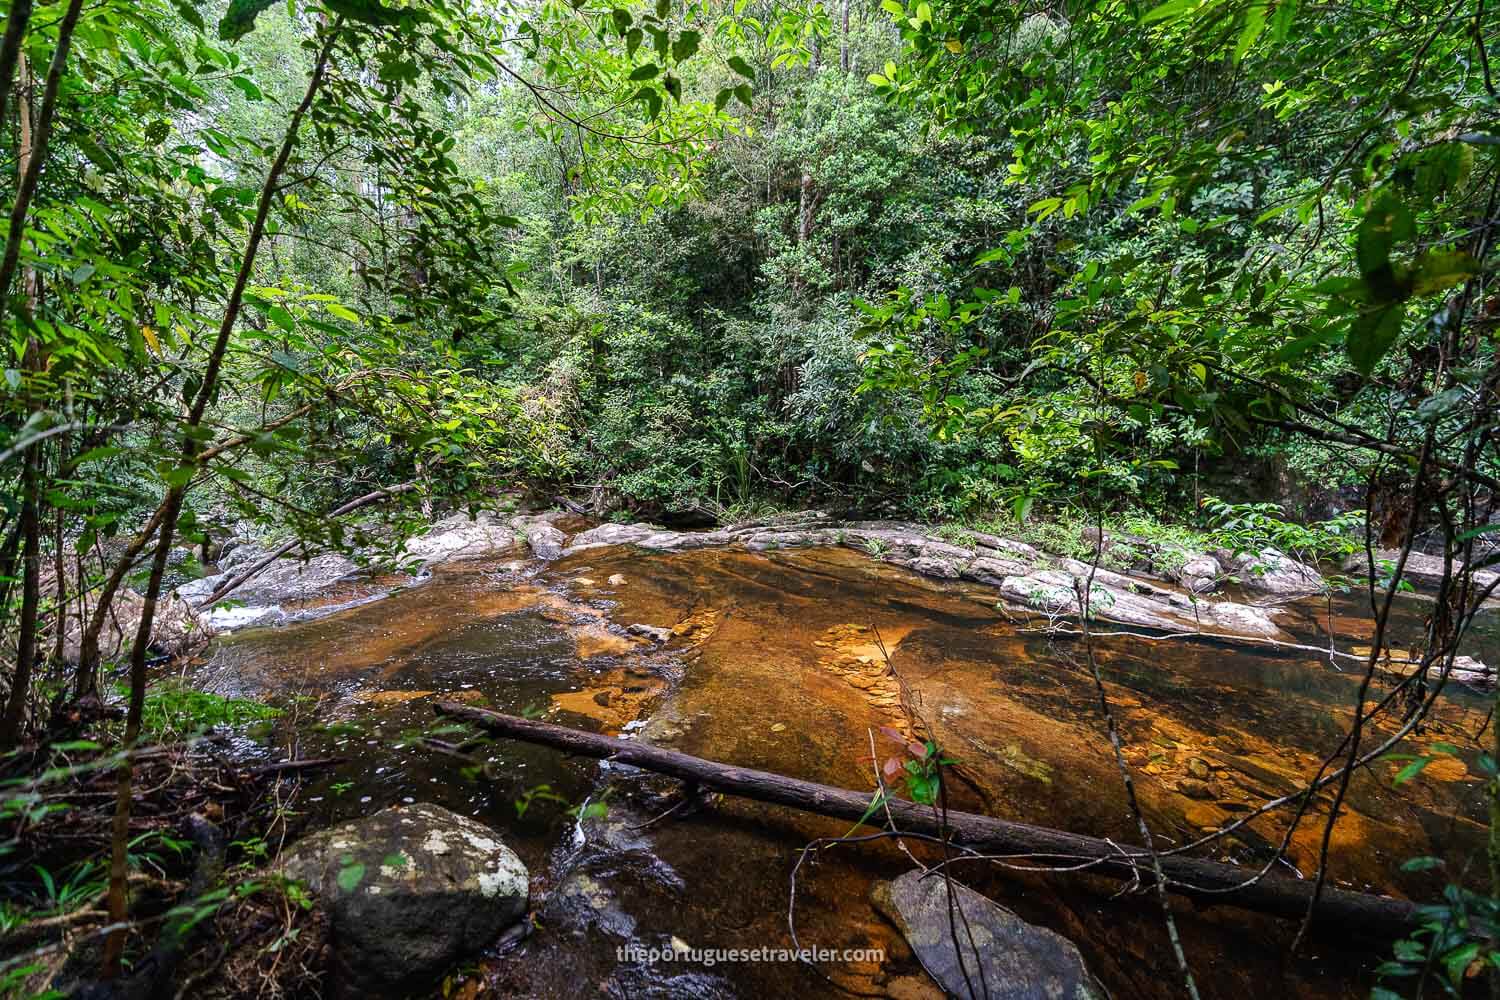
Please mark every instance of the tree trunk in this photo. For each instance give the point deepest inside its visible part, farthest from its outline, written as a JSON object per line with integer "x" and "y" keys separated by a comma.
{"x": 20, "y": 682}
{"x": 805, "y": 208}
{"x": 60, "y": 573}
{"x": 26, "y": 642}
{"x": 37, "y": 150}
{"x": 1210, "y": 881}
{"x": 844, "y": 39}
{"x": 114, "y": 944}
{"x": 10, "y": 48}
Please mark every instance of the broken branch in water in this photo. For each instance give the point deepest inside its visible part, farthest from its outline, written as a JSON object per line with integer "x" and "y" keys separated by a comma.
{"x": 1279, "y": 895}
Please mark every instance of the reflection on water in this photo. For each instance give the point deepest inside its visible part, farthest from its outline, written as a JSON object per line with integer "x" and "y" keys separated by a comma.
{"x": 779, "y": 661}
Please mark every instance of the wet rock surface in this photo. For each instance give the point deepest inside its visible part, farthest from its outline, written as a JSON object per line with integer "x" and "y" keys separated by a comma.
{"x": 990, "y": 952}
{"x": 411, "y": 891}
{"x": 1024, "y": 576}
{"x": 1423, "y": 570}
{"x": 289, "y": 578}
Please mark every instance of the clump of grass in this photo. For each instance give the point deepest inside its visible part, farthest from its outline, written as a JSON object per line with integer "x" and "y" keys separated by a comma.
{"x": 174, "y": 710}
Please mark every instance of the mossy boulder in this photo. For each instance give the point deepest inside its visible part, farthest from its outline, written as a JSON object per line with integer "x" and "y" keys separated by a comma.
{"x": 410, "y": 891}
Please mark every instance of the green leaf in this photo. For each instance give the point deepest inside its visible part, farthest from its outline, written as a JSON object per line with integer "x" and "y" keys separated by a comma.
{"x": 1255, "y": 23}
{"x": 343, "y": 312}
{"x": 1281, "y": 21}
{"x": 722, "y": 99}
{"x": 741, "y": 67}
{"x": 240, "y": 18}
{"x": 1439, "y": 169}
{"x": 621, "y": 19}
{"x": 350, "y": 877}
{"x": 282, "y": 318}
{"x": 179, "y": 476}
{"x": 247, "y": 87}
{"x": 1386, "y": 222}
{"x": 645, "y": 72}
{"x": 1440, "y": 269}
{"x": 1171, "y": 10}
{"x": 663, "y": 8}
{"x": 1372, "y": 334}
{"x": 633, "y": 41}
{"x": 673, "y": 86}
{"x": 365, "y": 11}
{"x": 685, "y": 47}
{"x": 652, "y": 99}
{"x": 82, "y": 273}
{"x": 1411, "y": 770}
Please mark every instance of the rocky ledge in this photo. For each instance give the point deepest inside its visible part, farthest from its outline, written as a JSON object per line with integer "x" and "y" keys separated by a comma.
{"x": 1162, "y": 595}
{"x": 1027, "y": 578}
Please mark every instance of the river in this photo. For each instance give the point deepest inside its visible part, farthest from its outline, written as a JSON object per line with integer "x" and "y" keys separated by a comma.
{"x": 778, "y": 661}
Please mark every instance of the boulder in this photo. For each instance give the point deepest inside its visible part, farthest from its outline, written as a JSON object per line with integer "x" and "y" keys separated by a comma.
{"x": 1270, "y": 571}
{"x": 174, "y": 627}
{"x": 656, "y": 633}
{"x": 290, "y": 578}
{"x": 1422, "y": 570}
{"x": 1199, "y": 573}
{"x": 1013, "y": 959}
{"x": 410, "y": 891}
{"x": 460, "y": 536}
{"x": 612, "y": 534}
{"x": 1474, "y": 673}
{"x": 545, "y": 539}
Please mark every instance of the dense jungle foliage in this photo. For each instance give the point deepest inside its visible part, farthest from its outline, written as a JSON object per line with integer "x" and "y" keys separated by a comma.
{"x": 701, "y": 260}
{"x": 698, "y": 259}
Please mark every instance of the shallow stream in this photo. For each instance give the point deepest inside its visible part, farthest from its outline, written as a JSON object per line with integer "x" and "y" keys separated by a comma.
{"x": 778, "y": 661}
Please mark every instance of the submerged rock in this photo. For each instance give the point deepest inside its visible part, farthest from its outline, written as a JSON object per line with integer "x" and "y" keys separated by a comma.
{"x": 1013, "y": 959}
{"x": 410, "y": 891}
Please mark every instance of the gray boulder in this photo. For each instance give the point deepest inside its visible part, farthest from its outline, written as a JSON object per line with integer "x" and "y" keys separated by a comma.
{"x": 460, "y": 536}
{"x": 1422, "y": 569}
{"x": 1199, "y": 573}
{"x": 1005, "y": 958}
{"x": 1272, "y": 572}
{"x": 546, "y": 541}
{"x": 289, "y": 578}
{"x": 410, "y": 891}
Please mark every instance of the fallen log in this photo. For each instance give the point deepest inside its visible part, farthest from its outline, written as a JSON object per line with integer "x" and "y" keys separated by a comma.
{"x": 1213, "y": 881}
